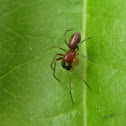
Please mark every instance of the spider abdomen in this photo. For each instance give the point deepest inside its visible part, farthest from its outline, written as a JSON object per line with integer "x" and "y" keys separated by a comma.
{"x": 74, "y": 40}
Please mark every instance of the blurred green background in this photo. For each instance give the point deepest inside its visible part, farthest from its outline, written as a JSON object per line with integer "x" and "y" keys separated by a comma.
{"x": 30, "y": 95}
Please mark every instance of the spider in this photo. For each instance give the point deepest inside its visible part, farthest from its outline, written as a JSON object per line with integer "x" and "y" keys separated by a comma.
{"x": 70, "y": 59}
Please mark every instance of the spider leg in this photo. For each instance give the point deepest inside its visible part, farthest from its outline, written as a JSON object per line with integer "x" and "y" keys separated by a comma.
{"x": 82, "y": 76}
{"x": 86, "y": 58}
{"x": 60, "y": 58}
{"x": 74, "y": 63}
{"x": 58, "y": 54}
{"x": 60, "y": 48}
{"x": 83, "y": 41}
{"x": 65, "y": 37}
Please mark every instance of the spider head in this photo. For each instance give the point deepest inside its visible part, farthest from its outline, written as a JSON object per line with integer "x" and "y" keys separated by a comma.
{"x": 66, "y": 66}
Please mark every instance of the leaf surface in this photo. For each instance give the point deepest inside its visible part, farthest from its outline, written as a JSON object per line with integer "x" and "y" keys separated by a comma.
{"x": 105, "y": 22}
{"x": 30, "y": 95}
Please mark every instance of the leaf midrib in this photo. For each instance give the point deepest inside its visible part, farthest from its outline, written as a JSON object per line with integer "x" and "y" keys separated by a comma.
{"x": 85, "y": 53}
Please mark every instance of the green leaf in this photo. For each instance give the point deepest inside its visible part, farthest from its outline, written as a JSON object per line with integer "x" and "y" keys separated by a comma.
{"x": 30, "y": 95}
{"x": 105, "y": 22}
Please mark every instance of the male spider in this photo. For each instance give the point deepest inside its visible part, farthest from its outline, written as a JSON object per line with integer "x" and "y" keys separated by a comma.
{"x": 70, "y": 59}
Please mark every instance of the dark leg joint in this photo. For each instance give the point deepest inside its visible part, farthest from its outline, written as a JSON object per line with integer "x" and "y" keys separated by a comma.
{"x": 56, "y": 78}
{"x": 87, "y": 85}
{"x": 51, "y": 66}
{"x": 71, "y": 98}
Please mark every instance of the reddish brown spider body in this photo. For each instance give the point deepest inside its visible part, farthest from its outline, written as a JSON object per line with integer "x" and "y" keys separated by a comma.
{"x": 70, "y": 59}
{"x": 69, "y": 56}
{"x": 74, "y": 40}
